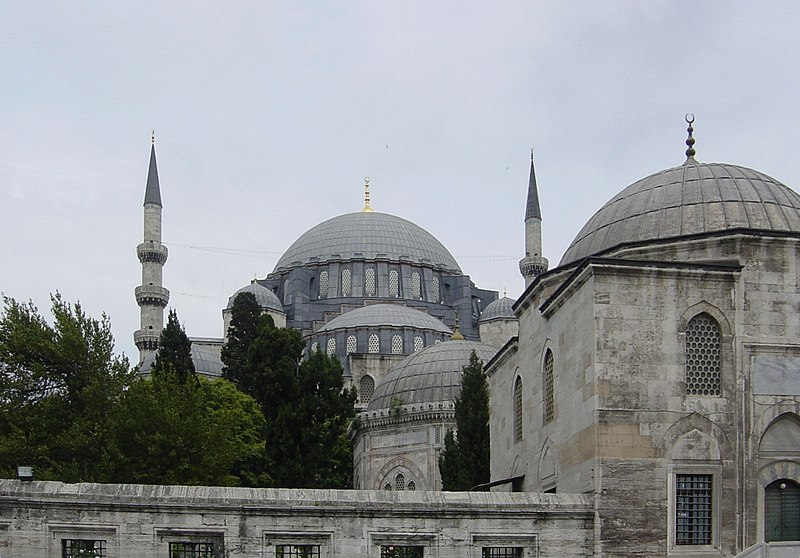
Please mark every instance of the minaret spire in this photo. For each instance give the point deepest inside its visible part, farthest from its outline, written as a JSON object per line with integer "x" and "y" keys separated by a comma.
{"x": 367, "y": 206}
{"x": 533, "y": 264}
{"x": 151, "y": 296}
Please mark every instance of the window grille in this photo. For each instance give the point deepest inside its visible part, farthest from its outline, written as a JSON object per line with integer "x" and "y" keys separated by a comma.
{"x": 314, "y": 347}
{"x": 518, "y": 410}
{"x": 693, "y": 509}
{"x": 394, "y": 551}
{"x": 323, "y": 284}
{"x": 331, "y": 346}
{"x": 416, "y": 287}
{"x": 366, "y": 389}
{"x": 387, "y": 486}
{"x": 286, "y": 291}
{"x": 374, "y": 344}
{"x": 394, "y": 283}
{"x": 297, "y": 551}
{"x": 782, "y": 511}
{"x": 346, "y": 282}
{"x": 547, "y": 383}
{"x": 369, "y": 281}
{"x": 83, "y": 548}
{"x": 435, "y": 290}
{"x": 703, "y": 356}
{"x": 411, "y": 485}
{"x": 397, "y": 344}
{"x": 437, "y": 435}
{"x": 352, "y": 344}
{"x": 419, "y": 344}
{"x": 399, "y": 482}
{"x": 501, "y": 552}
{"x": 191, "y": 550}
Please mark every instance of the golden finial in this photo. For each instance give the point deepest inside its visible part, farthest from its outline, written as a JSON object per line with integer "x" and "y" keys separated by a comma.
{"x": 456, "y": 333}
{"x": 153, "y": 137}
{"x": 367, "y": 208}
{"x": 690, "y": 152}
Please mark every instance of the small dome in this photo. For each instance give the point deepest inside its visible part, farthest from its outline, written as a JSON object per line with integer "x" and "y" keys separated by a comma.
{"x": 265, "y": 297}
{"x": 500, "y": 309}
{"x": 431, "y": 375}
{"x": 690, "y": 199}
{"x": 382, "y": 315}
{"x": 206, "y": 362}
{"x": 367, "y": 236}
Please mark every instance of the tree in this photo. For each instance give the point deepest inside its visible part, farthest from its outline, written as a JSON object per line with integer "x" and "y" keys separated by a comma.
{"x": 59, "y": 383}
{"x": 174, "y": 355}
{"x": 242, "y": 332}
{"x": 464, "y": 462}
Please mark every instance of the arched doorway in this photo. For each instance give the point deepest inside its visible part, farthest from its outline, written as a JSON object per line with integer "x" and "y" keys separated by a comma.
{"x": 782, "y": 511}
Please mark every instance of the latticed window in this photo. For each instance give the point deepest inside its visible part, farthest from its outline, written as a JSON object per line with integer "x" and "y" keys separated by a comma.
{"x": 416, "y": 286}
{"x": 323, "y": 284}
{"x": 419, "y": 343}
{"x": 411, "y": 485}
{"x": 347, "y": 281}
{"x": 394, "y": 283}
{"x": 191, "y": 550}
{"x": 369, "y": 281}
{"x": 436, "y": 295}
{"x": 331, "y": 346}
{"x": 297, "y": 551}
{"x": 85, "y": 548}
{"x": 352, "y": 344}
{"x": 703, "y": 356}
{"x": 286, "y": 291}
{"x": 437, "y": 435}
{"x": 501, "y": 552}
{"x": 314, "y": 347}
{"x": 518, "y": 409}
{"x": 374, "y": 344}
{"x": 547, "y": 386}
{"x": 399, "y": 481}
{"x": 387, "y": 486}
{"x": 782, "y": 511}
{"x": 366, "y": 387}
{"x": 693, "y": 511}
{"x": 396, "y": 551}
{"x": 397, "y": 344}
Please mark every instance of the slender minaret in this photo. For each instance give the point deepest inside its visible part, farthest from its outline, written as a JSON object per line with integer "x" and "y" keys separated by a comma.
{"x": 151, "y": 296}
{"x": 533, "y": 264}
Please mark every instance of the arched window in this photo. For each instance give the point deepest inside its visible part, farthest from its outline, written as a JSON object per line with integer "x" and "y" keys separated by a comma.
{"x": 314, "y": 347}
{"x": 518, "y": 410}
{"x": 397, "y": 344}
{"x": 436, "y": 295}
{"x": 331, "y": 346}
{"x": 394, "y": 283}
{"x": 374, "y": 345}
{"x": 323, "y": 284}
{"x": 387, "y": 486}
{"x": 547, "y": 387}
{"x": 346, "y": 282}
{"x": 703, "y": 356}
{"x": 782, "y": 511}
{"x": 286, "y": 291}
{"x": 399, "y": 482}
{"x": 419, "y": 343}
{"x": 366, "y": 388}
{"x": 412, "y": 485}
{"x": 369, "y": 281}
{"x": 352, "y": 344}
{"x": 416, "y": 286}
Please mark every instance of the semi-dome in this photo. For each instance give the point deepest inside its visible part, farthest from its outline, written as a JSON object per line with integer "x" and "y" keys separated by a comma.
{"x": 431, "y": 375}
{"x": 689, "y": 199}
{"x": 206, "y": 362}
{"x": 368, "y": 236}
{"x": 500, "y": 309}
{"x": 265, "y": 297}
{"x": 385, "y": 315}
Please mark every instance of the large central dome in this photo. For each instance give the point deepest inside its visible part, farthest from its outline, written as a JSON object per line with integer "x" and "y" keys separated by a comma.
{"x": 690, "y": 199}
{"x": 368, "y": 236}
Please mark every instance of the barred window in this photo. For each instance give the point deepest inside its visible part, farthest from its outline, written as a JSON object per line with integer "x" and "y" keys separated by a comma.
{"x": 397, "y": 344}
{"x": 369, "y": 281}
{"x": 693, "y": 509}
{"x": 286, "y": 291}
{"x": 331, "y": 346}
{"x": 366, "y": 387}
{"x": 703, "y": 356}
{"x": 352, "y": 344}
{"x": 323, "y": 284}
{"x": 399, "y": 481}
{"x": 346, "y": 281}
{"x": 374, "y": 345}
{"x": 83, "y": 548}
{"x": 416, "y": 286}
{"x": 782, "y": 511}
{"x": 191, "y": 550}
{"x": 501, "y": 552}
{"x": 411, "y": 485}
{"x": 395, "y": 551}
{"x": 394, "y": 283}
{"x": 297, "y": 551}
{"x": 436, "y": 295}
{"x": 518, "y": 409}
{"x": 419, "y": 343}
{"x": 547, "y": 386}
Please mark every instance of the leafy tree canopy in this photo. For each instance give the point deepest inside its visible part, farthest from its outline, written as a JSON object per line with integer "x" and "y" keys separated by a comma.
{"x": 174, "y": 355}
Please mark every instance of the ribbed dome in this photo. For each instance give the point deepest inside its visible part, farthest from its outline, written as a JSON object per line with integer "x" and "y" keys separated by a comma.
{"x": 500, "y": 309}
{"x": 265, "y": 297}
{"x": 367, "y": 235}
{"x": 431, "y": 375}
{"x": 380, "y": 315}
{"x": 690, "y": 199}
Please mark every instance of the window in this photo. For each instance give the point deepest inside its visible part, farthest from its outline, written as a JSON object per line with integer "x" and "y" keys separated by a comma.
{"x": 411, "y": 485}
{"x": 419, "y": 344}
{"x": 369, "y": 281}
{"x": 314, "y": 347}
{"x": 693, "y": 510}
{"x": 331, "y": 346}
{"x": 323, "y": 284}
{"x": 374, "y": 345}
{"x": 397, "y": 345}
{"x": 394, "y": 283}
{"x": 416, "y": 286}
{"x": 83, "y": 548}
{"x": 501, "y": 552}
{"x": 782, "y": 511}
{"x": 366, "y": 389}
{"x": 547, "y": 387}
{"x": 399, "y": 482}
{"x": 518, "y": 410}
{"x": 286, "y": 291}
{"x": 435, "y": 290}
{"x": 387, "y": 486}
{"x": 352, "y": 344}
{"x": 191, "y": 550}
{"x": 394, "y": 551}
{"x": 346, "y": 282}
{"x": 297, "y": 551}
{"x": 703, "y": 356}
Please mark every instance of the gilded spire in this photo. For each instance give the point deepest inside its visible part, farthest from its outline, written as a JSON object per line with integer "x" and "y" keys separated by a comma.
{"x": 367, "y": 208}
{"x": 457, "y": 336}
{"x": 690, "y": 152}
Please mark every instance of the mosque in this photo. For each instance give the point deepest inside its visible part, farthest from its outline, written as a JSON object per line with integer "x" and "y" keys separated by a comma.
{"x": 644, "y": 393}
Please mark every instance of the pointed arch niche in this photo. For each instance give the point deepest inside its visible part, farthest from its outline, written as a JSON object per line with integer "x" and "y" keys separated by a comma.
{"x": 779, "y": 479}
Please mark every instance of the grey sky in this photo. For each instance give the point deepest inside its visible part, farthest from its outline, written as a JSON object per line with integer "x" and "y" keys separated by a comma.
{"x": 268, "y": 115}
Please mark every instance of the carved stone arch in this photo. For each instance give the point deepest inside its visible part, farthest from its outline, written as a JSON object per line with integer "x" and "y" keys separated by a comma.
{"x": 401, "y": 465}
{"x": 549, "y": 466}
{"x": 725, "y": 383}
{"x": 782, "y": 469}
{"x": 711, "y": 310}
{"x": 546, "y": 346}
{"x": 782, "y": 437}
{"x": 695, "y": 429}
{"x": 772, "y": 413}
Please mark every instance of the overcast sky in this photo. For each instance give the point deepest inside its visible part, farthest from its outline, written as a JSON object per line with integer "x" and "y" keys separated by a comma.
{"x": 268, "y": 116}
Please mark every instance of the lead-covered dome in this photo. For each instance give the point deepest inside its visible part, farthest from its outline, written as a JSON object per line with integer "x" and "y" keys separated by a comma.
{"x": 690, "y": 199}
{"x": 369, "y": 236}
{"x": 500, "y": 309}
{"x": 265, "y": 297}
{"x": 430, "y": 375}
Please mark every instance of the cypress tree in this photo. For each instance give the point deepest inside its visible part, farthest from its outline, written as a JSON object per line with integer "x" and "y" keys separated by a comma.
{"x": 174, "y": 355}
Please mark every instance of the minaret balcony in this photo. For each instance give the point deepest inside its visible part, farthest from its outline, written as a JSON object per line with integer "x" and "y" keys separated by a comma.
{"x": 152, "y": 295}
{"x": 147, "y": 339}
{"x": 533, "y": 266}
{"x": 152, "y": 251}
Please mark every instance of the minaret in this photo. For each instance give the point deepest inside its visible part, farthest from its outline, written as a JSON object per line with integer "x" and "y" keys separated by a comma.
{"x": 533, "y": 264}
{"x": 151, "y": 296}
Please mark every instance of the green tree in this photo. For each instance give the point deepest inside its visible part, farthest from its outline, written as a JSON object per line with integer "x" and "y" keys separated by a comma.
{"x": 174, "y": 355}
{"x": 58, "y": 383}
{"x": 242, "y": 332}
{"x": 464, "y": 462}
